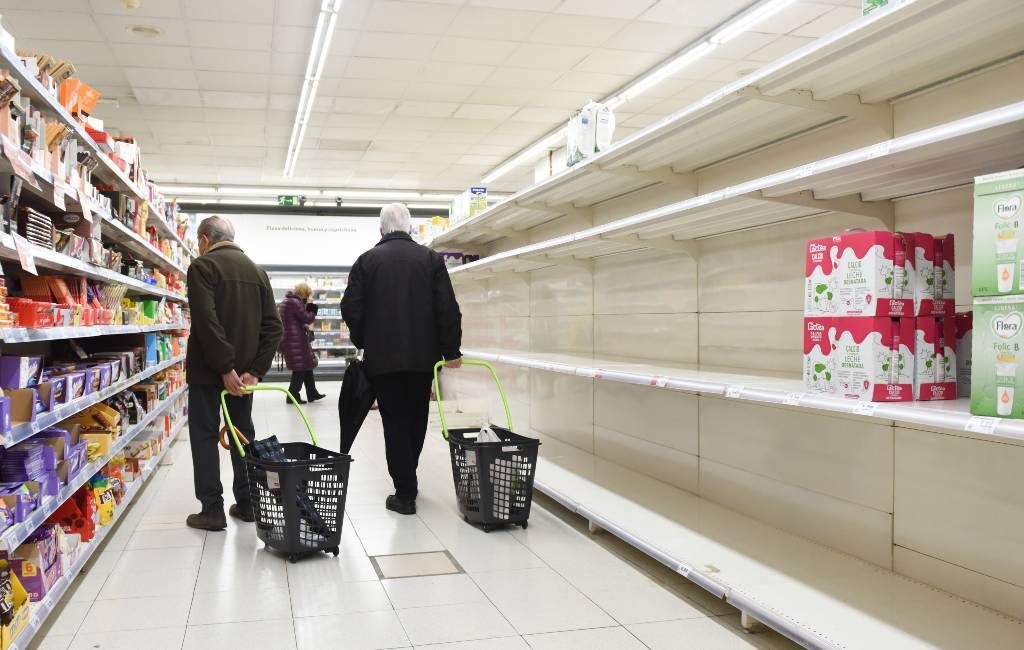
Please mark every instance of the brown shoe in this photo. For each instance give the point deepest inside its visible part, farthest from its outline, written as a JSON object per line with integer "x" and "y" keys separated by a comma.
{"x": 243, "y": 514}
{"x": 208, "y": 520}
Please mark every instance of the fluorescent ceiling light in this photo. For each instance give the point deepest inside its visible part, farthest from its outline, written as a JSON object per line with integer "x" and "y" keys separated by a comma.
{"x": 749, "y": 19}
{"x": 363, "y": 205}
{"x": 667, "y": 70}
{"x": 439, "y": 197}
{"x": 247, "y": 202}
{"x": 525, "y": 155}
{"x": 428, "y": 206}
{"x": 321, "y": 45}
{"x": 171, "y": 189}
{"x": 264, "y": 191}
{"x": 375, "y": 194}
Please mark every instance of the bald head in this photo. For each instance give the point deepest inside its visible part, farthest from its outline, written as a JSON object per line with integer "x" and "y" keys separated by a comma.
{"x": 214, "y": 230}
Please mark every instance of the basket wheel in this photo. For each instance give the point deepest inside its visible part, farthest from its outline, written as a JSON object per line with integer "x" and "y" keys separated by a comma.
{"x": 335, "y": 551}
{"x": 488, "y": 528}
{"x": 293, "y": 558}
{"x": 525, "y": 524}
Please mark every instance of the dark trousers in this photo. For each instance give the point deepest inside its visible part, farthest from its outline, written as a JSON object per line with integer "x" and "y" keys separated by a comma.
{"x": 203, "y": 433}
{"x": 404, "y": 402}
{"x": 300, "y": 377}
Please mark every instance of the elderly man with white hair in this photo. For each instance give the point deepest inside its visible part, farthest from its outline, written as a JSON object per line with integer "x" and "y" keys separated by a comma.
{"x": 401, "y": 311}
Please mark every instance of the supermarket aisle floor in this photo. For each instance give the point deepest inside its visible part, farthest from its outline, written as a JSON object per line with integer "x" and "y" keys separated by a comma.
{"x": 159, "y": 585}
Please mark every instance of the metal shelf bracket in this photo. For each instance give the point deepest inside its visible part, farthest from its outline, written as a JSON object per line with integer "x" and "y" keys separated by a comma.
{"x": 664, "y": 174}
{"x": 668, "y": 244}
{"x": 882, "y": 210}
{"x": 877, "y": 115}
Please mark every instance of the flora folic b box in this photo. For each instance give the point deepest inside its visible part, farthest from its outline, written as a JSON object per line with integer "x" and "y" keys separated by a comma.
{"x": 864, "y": 358}
{"x": 997, "y": 266}
{"x": 859, "y": 274}
{"x": 997, "y": 372}
{"x": 933, "y": 265}
{"x": 935, "y": 363}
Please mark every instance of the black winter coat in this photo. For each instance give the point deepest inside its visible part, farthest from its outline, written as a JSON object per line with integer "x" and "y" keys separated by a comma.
{"x": 235, "y": 325}
{"x": 400, "y": 307}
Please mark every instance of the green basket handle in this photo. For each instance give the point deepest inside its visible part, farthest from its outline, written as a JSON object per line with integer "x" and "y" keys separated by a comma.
{"x": 468, "y": 362}
{"x": 252, "y": 389}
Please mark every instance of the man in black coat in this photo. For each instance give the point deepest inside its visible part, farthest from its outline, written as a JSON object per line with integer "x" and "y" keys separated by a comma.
{"x": 235, "y": 332}
{"x": 401, "y": 311}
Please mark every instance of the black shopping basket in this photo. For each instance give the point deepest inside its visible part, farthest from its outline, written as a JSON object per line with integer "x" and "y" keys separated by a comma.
{"x": 493, "y": 480}
{"x": 297, "y": 489}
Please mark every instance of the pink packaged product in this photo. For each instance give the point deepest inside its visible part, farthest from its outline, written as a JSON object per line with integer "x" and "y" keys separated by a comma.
{"x": 964, "y": 325}
{"x": 933, "y": 282}
{"x": 859, "y": 274}
{"x": 935, "y": 354}
{"x": 863, "y": 358}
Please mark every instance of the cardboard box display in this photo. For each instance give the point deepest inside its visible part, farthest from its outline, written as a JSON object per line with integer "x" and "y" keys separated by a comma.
{"x": 997, "y": 266}
{"x": 22, "y": 609}
{"x": 935, "y": 359}
{"x": 964, "y": 325}
{"x": 27, "y": 403}
{"x": 997, "y": 350}
{"x": 859, "y": 274}
{"x": 864, "y": 358}
{"x": 20, "y": 371}
{"x": 934, "y": 267}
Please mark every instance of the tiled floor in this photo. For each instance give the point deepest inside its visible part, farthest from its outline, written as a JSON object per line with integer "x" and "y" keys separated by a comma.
{"x": 158, "y": 584}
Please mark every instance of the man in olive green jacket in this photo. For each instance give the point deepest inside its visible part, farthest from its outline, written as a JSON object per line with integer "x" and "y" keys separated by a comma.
{"x": 234, "y": 336}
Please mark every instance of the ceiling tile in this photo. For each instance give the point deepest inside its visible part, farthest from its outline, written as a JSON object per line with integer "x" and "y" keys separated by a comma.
{"x": 459, "y": 73}
{"x": 79, "y": 52}
{"x": 591, "y": 82}
{"x": 371, "y": 89}
{"x": 779, "y": 48}
{"x": 540, "y": 115}
{"x": 363, "y": 105}
{"x": 354, "y": 120}
{"x": 253, "y": 11}
{"x": 283, "y": 102}
{"x": 487, "y": 94}
{"x": 547, "y": 57}
{"x": 510, "y": 77}
{"x": 792, "y": 17}
{"x": 742, "y": 46}
{"x": 561, "y": 99}
{"x": 829, "y": 21}
{"x": 481, "y": 161}
{"x": 694, "y": 14}
{"x": 408, "y": 17}
{"x": 235, "y": 116}
{"x": 115, "y": 30}
{"x": 609, "y": 8}
{"x": 152, "y": 56}
{"x": 433, "y": 91}
{"x": 301, "y": 13}
{"x": 560, "y": 29}
{"x": 232, "y": 36}
{"x": 525, "y": 5}
{"x": 295, "y": 63}
{"x": 426, "y": 109}
{"x": 104, "y": 75}
{"x": 222, "y": 60}
{"x": 235, "y": 81}
{"x": 217, "y": 99}
{"x": 381, "y": 70}
{"x": 51, "y": 25}
{"x": 289, "y": 38}
{"x": 618, "y": 62}
{"x": 391, "y": 45}
{"x": 506, "y": 24}
{"x": 147, "y": 9}
{"x": 402, "y": 135}
{"x": 485, "y": 111}
{"x": 654, "y": 37}
{"x": 167, "y": 97}
{"x": 472, "y": 50}
{"x": 161, "y": 78}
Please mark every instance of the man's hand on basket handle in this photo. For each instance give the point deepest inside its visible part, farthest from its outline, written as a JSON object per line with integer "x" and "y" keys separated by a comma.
{"x": 453, "y": 363}
{"x": 233, "y": 383}
{"x": 249, "y": 379}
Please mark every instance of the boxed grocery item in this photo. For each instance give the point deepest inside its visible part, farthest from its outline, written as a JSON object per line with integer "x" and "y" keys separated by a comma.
{"x": 865, "y": 358}
{"x": 15, "y": 610}
{"x": 867, "y": 6}
{"x": 933, "y": 282}
{"x": 935, "y": 358}
{"x": 997, "y": 349}
{"x": 998, "y": 261}
{"x": 859, "y": 274}
{"x": 964, "y": 322}
{"x": 20, "y": 372}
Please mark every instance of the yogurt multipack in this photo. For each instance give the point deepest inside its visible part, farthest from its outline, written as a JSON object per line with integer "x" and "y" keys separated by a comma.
{"x": 934, "y": 273}
{"x": 997, "y": 350}
{"x": 864, "y": 358}
{"x": 859, "y": 274}
{"x": 964, "y": 325}
{"x": 997, "y": 266}
{"x": 935, "y": 365}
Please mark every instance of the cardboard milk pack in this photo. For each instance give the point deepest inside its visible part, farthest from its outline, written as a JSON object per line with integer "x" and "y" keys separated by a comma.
{"x": 934, "y": 270}
{"x": 864, "y": 358}
{"x": 997, "y": 266}
{"x": 964, "y": 324}
{"x": 859, "y": 274}
{"x": 997, "y": 353}
{"x": 935, "y": 358}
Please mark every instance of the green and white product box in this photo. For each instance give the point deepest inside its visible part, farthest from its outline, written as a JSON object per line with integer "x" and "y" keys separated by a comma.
{"x": 997, "y": 268}
{"x": 870, "y": 5}
{"x": 997, "y": 353}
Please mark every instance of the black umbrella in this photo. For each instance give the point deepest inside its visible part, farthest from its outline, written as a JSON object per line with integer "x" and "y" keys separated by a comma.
{"x": 357, "y": 396}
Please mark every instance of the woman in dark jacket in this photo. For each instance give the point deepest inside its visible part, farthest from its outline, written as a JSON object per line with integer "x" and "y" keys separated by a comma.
{"x": 297, "y": 314}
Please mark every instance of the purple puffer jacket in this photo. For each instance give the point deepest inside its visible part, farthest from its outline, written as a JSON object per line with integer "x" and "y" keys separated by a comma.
{"x": 298, "y": 355}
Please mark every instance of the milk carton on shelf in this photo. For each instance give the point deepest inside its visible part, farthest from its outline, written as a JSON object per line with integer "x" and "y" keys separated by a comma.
{"x": 859, "y": 274}
{"x": 863, "y": 358}
{"x": 933, "y": 282}
{"x": 935, "y": 363}
{"x": 997, "y": 350}
{"x": 964, "y": 326}
{"x": 997, "y": 266}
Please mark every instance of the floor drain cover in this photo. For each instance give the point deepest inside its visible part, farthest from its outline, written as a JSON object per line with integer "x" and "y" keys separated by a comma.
{"x": 415, "y": 564}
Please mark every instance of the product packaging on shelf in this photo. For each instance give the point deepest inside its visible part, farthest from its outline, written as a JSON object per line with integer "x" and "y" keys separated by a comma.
{"x": 864, "y": 358}
{"x": 997, "y": 266}
{"x": 964, "y": 324}
{"x": 935, "y": 359}
{"x": 859, "y": 274}
{"x": 934, "y": 267}
{"x": 997, "y": 349}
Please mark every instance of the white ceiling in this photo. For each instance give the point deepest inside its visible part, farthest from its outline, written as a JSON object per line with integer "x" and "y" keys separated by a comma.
{"x": 424, "y": 94}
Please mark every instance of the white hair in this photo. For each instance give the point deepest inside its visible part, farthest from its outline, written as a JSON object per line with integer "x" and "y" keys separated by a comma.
{"x": 395, "y": 217}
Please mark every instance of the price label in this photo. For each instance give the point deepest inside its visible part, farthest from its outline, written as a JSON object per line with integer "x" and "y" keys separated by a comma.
{"x": 85, "y": 202}
{"x": 21, "y": 162}
{"x": 805, "y": 170}
{"x": 981, "y": 424}
{"x": 683, "y": 570}
{"x": 58, "y": 193}
{"x": 793, "y": 399}
{"x": 733, "y": 391}
{"x": 598, "y": 374}
{"x": 865, "y": 408}
{"x": 880, "y": 149}
{"x": 659, "y": 382}
{"x": 25, "y": 256}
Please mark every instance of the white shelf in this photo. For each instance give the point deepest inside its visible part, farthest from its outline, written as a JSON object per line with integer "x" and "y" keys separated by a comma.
{"x": 29, "y": 335}
{"x": 819, "y": 597}
{"x": 23, "y": 430}
{"x": 762, "y": 388}
{"x": 50, "y": 259}
{"x": 42, "y": 610}
{"x": 856, "y": 182}
{"x": 914, "y": 44}
{"x": 16, "y": 535}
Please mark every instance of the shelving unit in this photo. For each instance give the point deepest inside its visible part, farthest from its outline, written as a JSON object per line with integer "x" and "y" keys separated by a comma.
{"x": 616, "y": 297}
{"x": 29, "y": 335}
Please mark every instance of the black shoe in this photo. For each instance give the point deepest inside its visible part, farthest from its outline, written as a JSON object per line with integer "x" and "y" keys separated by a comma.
{"x": 402, "y": 506}
{"x": 208, "y": 520}
{"x": 244, "y": 514}
{"x": 298, "y": 400}
{"x": 317, "y": 397}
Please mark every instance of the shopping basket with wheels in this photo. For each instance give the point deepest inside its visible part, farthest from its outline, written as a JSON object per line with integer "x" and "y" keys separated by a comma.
{"x": 297, "y": 489}
{"x": 493, "y": 480}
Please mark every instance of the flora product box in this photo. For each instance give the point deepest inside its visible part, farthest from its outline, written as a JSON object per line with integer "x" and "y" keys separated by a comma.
{"x": 935, "y": 358}
{"x": 933, "y": 282}
{"x": 864, "y": 358}
{"x": 997, "y": 350}
{"x": 964, "y": 324}
{"x": 998, "y": 263}
{"x": 859, "y": 274}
